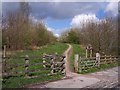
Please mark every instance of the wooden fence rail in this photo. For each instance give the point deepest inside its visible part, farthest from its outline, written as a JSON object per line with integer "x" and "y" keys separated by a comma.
{"x": 83, "y": 64}
{"x": 26, "y": 66}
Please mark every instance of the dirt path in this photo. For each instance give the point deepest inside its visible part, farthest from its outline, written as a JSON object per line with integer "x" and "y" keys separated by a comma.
{"x": 68, "y": 53}
{"x": 107, "y": 78}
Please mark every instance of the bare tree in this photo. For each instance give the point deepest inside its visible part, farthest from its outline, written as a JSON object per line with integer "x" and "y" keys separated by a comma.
{"x": 102, "y": 35}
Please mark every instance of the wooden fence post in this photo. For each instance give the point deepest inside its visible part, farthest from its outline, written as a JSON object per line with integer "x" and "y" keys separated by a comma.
{"x": 64, "y": 68}
{"x": 65, "y": 65}
{"x": 52, "y": 66}
{"x": 105, "y": 58}
{"x": 44, "y": 62}
{"x": 4, "y": 61}
{"x": 4, "y": 51}
{"x": 79, "y": 65}
{"x": 110, "y": 59}
{"x": 76, "y": 62}
{"x": 26, "y": 66}
{"x": 86, "y": 52}
{"x": 91, "y": 52}
{"x": 115, "y": 59}
{"x": 98, "y": 58}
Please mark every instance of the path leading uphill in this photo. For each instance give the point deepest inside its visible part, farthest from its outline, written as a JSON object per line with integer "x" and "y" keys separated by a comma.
{"x": 107, "y": 78}
{"x": 68, "y": 54}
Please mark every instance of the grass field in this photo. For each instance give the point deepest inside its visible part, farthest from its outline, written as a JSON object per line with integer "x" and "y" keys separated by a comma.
{"x": 48, "y": 49}
{"x": 20, "y": 80}
{"x": 102, "y": 67}
{"x": 76, "y": 50}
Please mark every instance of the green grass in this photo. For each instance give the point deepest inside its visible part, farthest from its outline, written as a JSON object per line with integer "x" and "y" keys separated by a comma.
{"x": 14, "y": 82}
{"x": 76, "y": 50}
{"x": 96, "y": 69}
{"x": 20, "y": 80}
{"x": 49, "y": 49}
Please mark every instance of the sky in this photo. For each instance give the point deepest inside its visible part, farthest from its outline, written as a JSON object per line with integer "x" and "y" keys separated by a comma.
{"x": 59, "y": 16}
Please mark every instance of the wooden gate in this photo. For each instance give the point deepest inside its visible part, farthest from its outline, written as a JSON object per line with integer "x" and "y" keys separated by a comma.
{"x": 33, "y": 66}
{"x": 84, "y": 64}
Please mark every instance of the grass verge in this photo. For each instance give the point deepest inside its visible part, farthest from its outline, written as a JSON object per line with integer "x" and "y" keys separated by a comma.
{"x": 100, "y": 68}
{"x": 20, "y": 81}
{"x": 76, "y": 50}
{"x": 48, "y": 49}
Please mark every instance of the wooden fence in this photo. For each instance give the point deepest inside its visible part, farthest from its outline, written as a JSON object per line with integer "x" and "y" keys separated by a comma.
{"x": 56, "y": 63}
{"x": 33, "y": 66}
{"x": 83, "y": 64}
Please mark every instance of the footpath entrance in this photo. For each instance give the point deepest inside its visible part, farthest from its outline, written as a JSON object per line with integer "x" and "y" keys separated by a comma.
{"x": 103, "y": 79}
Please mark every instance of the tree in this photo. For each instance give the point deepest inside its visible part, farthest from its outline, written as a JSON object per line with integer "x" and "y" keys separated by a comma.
{"x": 16, "y": 27}
{"x": 101, "y": 35}
{"x": 70, "y": 36}
{"x": 63, "y": 36}
{"x": 73, "y": 37}
{"x": 20, "y": 32}
{"x": 43, "y": 35}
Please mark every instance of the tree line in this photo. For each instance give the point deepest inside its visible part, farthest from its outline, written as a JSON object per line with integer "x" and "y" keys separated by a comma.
{"x": 101, "y": 35}
{"x": 20, "y": 32}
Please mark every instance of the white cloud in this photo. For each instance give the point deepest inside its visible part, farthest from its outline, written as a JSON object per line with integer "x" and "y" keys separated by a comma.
{"x": 49, "y": 28}
{"x": 81, "y": 19}
{"x": 61, "y": 0}
{"x": 55, "y": 32}
{"x": 111, "y": 0}
{"x": 113, "y": 8}
{"x": 35, "y": 20}
{"x": 57, "y": 35}
{"x": 52, "y": 30}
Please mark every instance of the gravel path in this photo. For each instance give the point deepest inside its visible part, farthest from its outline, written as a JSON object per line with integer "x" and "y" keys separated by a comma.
{"x": 108, "y": 78}
{"x": 102, "y": 79}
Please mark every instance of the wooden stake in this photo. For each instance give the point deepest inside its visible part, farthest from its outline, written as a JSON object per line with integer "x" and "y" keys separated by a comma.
{"x": 76, "y": 62}
{"x": 26, "y": 66}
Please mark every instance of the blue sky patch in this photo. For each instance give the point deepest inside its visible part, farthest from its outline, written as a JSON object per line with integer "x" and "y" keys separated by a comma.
{"x": 59, "y": 15}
